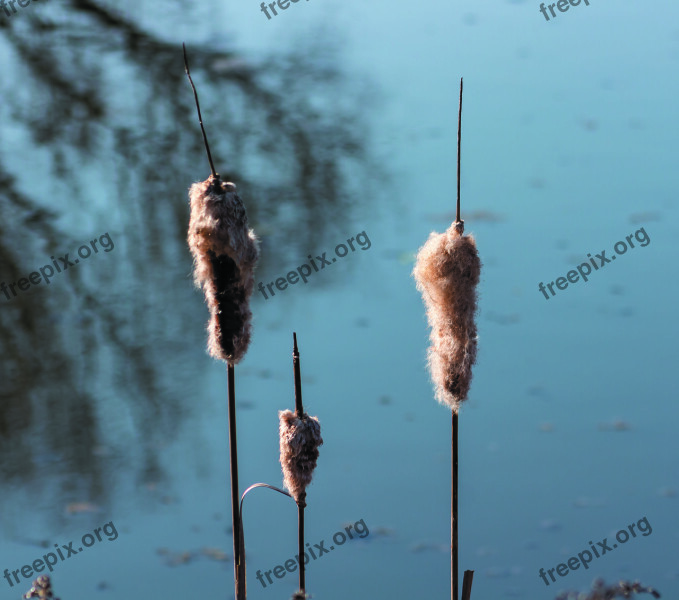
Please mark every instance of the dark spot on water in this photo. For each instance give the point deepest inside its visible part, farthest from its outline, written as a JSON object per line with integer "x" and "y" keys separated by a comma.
{"x": 645, "y": 216}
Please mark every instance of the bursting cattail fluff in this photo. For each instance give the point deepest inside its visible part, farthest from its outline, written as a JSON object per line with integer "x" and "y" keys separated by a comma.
{"x": 225, "y": 254}
{"x": 299, "y": 442}
{"x": 447, "y": 270}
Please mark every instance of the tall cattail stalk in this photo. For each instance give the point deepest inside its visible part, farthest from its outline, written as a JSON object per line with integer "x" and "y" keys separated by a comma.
{"x": 300, "y": 437}
{"x": 447, "y": 271}
{"x": 225, "y": 253}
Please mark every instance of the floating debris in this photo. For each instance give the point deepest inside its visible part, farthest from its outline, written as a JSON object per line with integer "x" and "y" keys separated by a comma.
{"x": 584, "y": 502}
{"x": 75, "y": 508}
{"x": 503, "y": 319}
{"x": 426, "y": 546}
{"x": 215, "y": 554}
{"x": 173, "y": 559}
{"x": 546, "y": 427}
{"x": 623, "y": 589}
{"x": 498, "y": 572}
{"x": 589, "y": 124}
{"x": 384, "y": 400}
{"x": 538, "y": 391}
{"x": 550, "y": 525}
{"x": 615, "y": 425}
{"x": 537, "y": 183}
{"x": 380, "y": 531}
{"x": 42, "y": 589}
{"x": 667, "y": 492}
{"x": 644, "y": 217}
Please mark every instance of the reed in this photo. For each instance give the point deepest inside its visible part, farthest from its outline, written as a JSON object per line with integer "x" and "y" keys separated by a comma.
{"x": 225, "y": 253}
{"x": 447, "y": 271}
{"x": 300, "y": 437}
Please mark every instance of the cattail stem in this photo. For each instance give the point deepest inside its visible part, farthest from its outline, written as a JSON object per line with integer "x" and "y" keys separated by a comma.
{"x": 239, "y": 565}
{"x": 300, "y": 539}
{"x": 467, "y": 585}
{"x": 242, "y": 526}
{"x": 459, "y": 145}
{"x": 299, "y": 410}
{"x": 200, "y": 117}
{"x": 453, "y": 516}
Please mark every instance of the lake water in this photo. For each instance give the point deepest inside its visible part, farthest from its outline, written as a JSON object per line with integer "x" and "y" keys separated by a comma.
{"x": 568, "y": 148}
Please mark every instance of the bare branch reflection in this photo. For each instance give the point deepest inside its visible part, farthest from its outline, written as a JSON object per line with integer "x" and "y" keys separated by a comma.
{"x": 112, "y": 115}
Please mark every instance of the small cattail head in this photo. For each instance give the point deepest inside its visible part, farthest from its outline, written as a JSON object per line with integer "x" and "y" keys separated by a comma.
{"x": 447, "y": 271}
{"x": 299, "y": 442}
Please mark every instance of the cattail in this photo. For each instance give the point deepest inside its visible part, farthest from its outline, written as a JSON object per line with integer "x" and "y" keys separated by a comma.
{"x": 225, "y": 253}
{"x": 447, "y": 271}
{"x": 300, "y": 438}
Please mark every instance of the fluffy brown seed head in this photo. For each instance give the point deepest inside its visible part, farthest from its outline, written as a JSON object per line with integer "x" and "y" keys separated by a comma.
{"x": 225, "y": 253}
{"x": 447, "y": 271}
{"x": 299, "y": 442}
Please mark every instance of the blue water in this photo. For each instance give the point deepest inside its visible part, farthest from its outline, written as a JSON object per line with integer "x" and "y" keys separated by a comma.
{"x": 568, "y": 146}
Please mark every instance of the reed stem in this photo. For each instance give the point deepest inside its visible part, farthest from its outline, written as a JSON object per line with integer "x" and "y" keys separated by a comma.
{"x": 200, "y": 117}
{"x": 467, "y": 585}
{"x": 300, "y": 540}
{"x": 453, "y": 516}
{"x": 459, "y": 145}
{"x": 238, "y": 565}
{"x": 299, "y": 410}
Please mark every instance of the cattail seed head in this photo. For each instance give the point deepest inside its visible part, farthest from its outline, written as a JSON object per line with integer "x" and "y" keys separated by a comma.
{"x": 447, "y": 270}
{"x": 299, "y": 442}
{"x": 225, "y": 253}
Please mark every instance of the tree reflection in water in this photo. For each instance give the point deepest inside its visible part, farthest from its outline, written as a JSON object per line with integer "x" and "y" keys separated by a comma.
{"x": 104, "y": 355}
